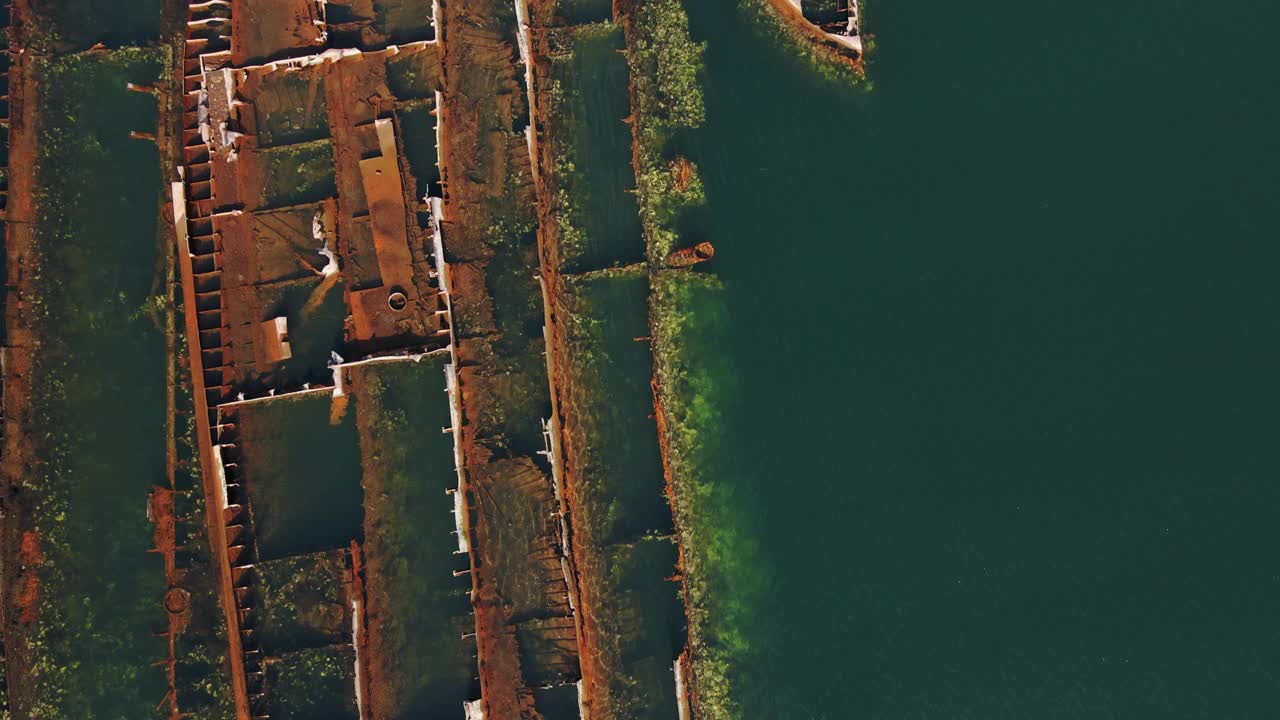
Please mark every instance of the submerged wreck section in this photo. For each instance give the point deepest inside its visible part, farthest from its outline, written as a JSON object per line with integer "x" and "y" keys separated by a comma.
{"x": 347, "y": 576}
{"x": 309, "y": 235}
{"x": 685, "y": 314}
{"x": 524, "y": 591}
{"x": 624, "y": 551}
{"x": 420, "y": 649}
{"x": 105, "y": 605}
{"x": 6, "y": 81}
{"x": 624, "y": 546}
{"x": 446, "y": 459}
{"x": 309, "y": 245}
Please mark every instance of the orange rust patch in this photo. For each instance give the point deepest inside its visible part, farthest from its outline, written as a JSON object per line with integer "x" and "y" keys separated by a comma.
{"x": 681, "y": 174}
{"x": 28, "y": 598}
{"x": 29, "y": 552}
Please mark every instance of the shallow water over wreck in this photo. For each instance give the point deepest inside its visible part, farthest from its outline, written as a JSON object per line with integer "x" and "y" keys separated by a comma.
{"x": 98, "y": 389}
{"x": 1005, "y": 362}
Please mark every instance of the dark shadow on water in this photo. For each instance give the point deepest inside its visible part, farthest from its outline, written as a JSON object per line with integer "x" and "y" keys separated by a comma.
{"x": 585, "y": 11}
{"x": 81, "y": 23}
{"x": 418, "y": 133}
{"x": 400, "y": 409}
{"x": 557, "y": 703}
{"x": 303, "y": 475}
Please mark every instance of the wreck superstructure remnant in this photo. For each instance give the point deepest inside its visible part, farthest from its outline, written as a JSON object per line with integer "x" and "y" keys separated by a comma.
{"x": 307, "y": 252}
{"x": 315, "y": 250}
{"x": 525, "y": 597}
{"x": 415, "y": 276}
{"x": 829, "y": 32}
{"x": 95, "y": 585}
{"x": 595, "y": 283}
{"x": 9, "y": 535}
{"x": 839, "y": 19}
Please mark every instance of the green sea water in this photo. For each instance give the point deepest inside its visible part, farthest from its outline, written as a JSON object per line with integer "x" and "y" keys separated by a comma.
{"x": 1005, "y": 349}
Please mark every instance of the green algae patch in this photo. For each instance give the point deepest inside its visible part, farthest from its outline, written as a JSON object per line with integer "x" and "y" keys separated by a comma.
{"x": 418, "y": 612}
{"x": 595, "y": 188}
{"x": 313, "y": 684}
{"x": 692, "y": 377}
{"x": 302, "y": 602}
{"x": 608, "y": 406}
{"x": 297, "y": 174}
{"x": 671, "y": 200}
{"x": 290, "y": 107}
{"x": 694, "y": 381}
{"x": 509, "y": 380}
{"x": 625, "y": 554}
{"x": 665, "y": 63}
{"x": 667, "y": 102}
{"x": 202, "y": 675}
{"x": 98, "y": 405}
{"x": 642, "y": 622}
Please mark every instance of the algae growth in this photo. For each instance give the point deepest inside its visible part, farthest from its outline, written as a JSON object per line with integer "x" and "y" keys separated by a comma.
{"x": 97, "y": 405}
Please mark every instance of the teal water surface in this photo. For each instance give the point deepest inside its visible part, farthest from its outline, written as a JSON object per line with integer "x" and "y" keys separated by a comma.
{"x": 1006, "y": 357}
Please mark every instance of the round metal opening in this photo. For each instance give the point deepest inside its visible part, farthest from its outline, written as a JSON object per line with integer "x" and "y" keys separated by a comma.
{"x": 397, "y": 300}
